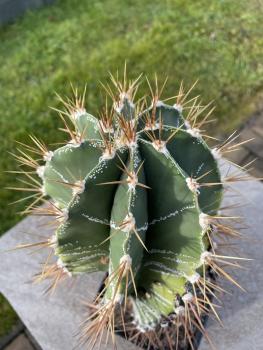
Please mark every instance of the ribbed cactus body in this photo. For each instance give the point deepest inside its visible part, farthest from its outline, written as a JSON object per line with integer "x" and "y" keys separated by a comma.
{"x": 133, "y": 202}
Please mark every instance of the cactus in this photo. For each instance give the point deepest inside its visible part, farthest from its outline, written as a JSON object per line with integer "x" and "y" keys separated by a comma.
{"x": 135, "y": 193}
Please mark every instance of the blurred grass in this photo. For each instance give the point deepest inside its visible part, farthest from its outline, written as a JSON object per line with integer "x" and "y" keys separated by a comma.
{"x": 7, "y": 316}
{"x": 218, "y": 42}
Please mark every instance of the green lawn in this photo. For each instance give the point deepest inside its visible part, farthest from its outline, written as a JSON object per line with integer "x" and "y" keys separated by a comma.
{"x": 7, "y": 316}
{"x": 219, "y": 42}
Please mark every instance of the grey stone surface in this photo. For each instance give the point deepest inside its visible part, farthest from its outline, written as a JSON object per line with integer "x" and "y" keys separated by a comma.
{"x": 242, "y": 313}
{"x": 255, "y": 146}
{"x": 10, "y": 9}
{"x": 20, "y": 343}
{"x": 252, "y": 151}
{"x": 53, "y": 320}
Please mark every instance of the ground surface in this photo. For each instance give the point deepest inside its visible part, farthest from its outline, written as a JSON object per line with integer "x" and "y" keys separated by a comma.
{"x": 240, "y": 311}
{"x": 21, "y": 342}
{"x": 251, "y": 152}
{"x": 79, "y": 41}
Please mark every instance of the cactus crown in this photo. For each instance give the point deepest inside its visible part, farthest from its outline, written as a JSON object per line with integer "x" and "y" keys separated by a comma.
{"x": 135, "y": 193}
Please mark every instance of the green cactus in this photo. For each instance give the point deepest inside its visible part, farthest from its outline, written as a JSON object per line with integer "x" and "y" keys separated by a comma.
{"x": 135, "y": 193}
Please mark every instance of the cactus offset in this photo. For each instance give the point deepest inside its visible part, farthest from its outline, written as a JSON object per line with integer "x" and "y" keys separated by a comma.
{"x": 135, "y": 193}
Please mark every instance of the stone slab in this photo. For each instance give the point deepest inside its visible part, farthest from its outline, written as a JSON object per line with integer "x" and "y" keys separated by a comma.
{"x": 20, "y": 343}
{"x": 242, "y": 313}
{"x": 255, "y": 145}
{"x": 53, "y": 320}
{"x": 258, "y": 130}
{"x": 239, "y": 156}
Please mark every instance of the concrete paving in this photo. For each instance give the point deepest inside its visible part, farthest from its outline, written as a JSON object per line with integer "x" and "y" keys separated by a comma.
{"x": 54, "y": 320}
{"x": 242, "y": 313}
{"x": 20, "y": 343}
{"x": 253, "y": 150}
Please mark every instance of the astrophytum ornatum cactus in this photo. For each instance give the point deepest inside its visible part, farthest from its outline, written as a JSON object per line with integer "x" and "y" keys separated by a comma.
{"x": 135, "y": 193}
